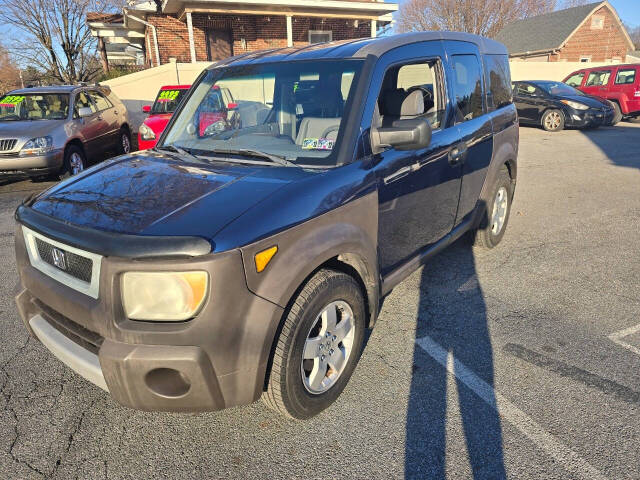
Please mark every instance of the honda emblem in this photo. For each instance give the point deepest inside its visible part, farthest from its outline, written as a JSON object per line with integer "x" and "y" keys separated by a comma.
{"x": 59, "y": 258}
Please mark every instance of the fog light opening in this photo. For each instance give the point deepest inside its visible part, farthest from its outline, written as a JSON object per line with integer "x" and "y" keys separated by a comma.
{"x": 167, "y": 382}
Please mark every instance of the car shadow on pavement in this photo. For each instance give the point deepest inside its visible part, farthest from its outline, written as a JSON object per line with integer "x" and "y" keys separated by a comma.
{"x": 620, "y": 143}
{"x": 452, "y": 320}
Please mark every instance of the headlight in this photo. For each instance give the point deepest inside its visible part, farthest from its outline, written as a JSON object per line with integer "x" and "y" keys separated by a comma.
{"x": 37, "y": 146}
{"x": 163, "y": 296}
{"x": 217, "y": 127}
{"x": 146, "y": 133}
{"x": 576, "y": 105}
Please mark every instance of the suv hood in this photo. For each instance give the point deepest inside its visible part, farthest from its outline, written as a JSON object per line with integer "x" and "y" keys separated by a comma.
{"x": 27, "y": 128}
{"x": 149, "y": 194}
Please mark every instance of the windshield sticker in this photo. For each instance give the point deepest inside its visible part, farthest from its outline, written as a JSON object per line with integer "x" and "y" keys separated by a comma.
{"x": 317, "y": 144}
{"x": 168, "y": 95}
{"x": 11, "y": 100}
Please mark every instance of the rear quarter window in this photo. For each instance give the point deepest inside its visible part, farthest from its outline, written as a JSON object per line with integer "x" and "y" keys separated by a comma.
{"x": 467, "y": 87}
{"x": 498, "y": 81}
{"x": 626, "y": 76}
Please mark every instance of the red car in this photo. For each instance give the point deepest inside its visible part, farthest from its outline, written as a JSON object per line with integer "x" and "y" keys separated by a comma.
{"x": 166, "y": 103}
{"x": 620, "y": 84}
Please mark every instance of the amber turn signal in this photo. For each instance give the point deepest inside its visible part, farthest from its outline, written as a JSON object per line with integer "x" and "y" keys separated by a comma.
{"x": 264, "y": 257}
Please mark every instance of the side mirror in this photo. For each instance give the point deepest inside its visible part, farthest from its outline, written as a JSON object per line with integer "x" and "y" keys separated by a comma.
{"x": 85, "y": 112}
{"x": 232, "y": 106}
{"x": 146, "y": 109}
{"x": 410, "y": 134}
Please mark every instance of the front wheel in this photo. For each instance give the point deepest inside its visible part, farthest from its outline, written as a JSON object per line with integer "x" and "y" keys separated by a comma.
{"x": 553, "y": 120}
{"x": 617, "y": 114}
{"x": 74, "y": 162}
{"x": 318, "y": 347}
{"x": 496, "y": 215}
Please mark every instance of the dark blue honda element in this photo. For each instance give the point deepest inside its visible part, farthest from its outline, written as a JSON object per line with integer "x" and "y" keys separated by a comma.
{"x": 227, "y": 265}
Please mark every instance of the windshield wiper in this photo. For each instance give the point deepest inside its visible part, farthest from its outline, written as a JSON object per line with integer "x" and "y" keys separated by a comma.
{"x": 257, "y": 153}
{"x": 180, "y": 151}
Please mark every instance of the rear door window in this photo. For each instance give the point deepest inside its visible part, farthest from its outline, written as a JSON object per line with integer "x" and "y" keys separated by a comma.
{"x": 498, "y": 80}
{"x": 598, "y": 78}
{"x": 626, "y": 76}
{"x": 100, "y": 100}
{"x": 467, "y": 87}
{"x": 575, "y": 80}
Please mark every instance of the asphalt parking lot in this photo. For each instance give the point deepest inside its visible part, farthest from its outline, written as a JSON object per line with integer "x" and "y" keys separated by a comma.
{"x": 523, "y": 361}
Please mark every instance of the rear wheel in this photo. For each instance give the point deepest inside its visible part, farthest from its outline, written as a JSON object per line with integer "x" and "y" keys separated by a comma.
{"x": 74, "y": 161}
{"x": 553, "y": 120}
{"x": 496, "y": 216}
{"x": 124, "y": 141}
{"x": 318, "y": 347}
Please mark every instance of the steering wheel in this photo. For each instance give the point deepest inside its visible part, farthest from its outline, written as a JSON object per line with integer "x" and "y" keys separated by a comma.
{"x": 332, "y": 128}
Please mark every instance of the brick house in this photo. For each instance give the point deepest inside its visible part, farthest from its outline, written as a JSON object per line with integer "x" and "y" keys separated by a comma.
{"x": 153, "y": 32}
{"x": 589, "y": 33}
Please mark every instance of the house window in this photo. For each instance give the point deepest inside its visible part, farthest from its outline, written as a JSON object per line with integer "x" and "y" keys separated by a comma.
{"x": 320, "y": 36}
{"x": 585, "y": 58}
{"x": 597, "y": 22}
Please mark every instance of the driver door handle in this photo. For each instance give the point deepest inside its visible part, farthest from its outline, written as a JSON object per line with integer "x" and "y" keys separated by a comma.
{"x": 457, "y": 154}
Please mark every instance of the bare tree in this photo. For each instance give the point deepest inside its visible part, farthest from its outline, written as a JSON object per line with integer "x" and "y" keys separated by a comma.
{"x": 572, "y": 3}
{"x": 9, "y": 72}
{"x": 634, "y": 33}
{"x": 54, "y": 36}
{"x": 482, "y": 17}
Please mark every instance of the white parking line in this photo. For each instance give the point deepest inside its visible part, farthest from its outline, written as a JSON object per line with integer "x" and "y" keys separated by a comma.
{"x": 618, "y": 336}
{"x": 569, "y": 460}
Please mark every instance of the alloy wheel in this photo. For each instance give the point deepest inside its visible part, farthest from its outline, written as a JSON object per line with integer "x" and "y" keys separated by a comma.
{"x": 327, "y": 348}
{"x": 499, "y": 213}
{"x": 126, "y": 143}
{"x": 76, "y": 163}
{"x": 553, "y": 121}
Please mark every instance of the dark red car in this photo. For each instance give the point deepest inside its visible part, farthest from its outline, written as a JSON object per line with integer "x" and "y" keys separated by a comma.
{"x": 620, "y": 84}
{"x": 165, "y": 104}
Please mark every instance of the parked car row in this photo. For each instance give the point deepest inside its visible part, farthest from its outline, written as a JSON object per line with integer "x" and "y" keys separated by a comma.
{"x": 56, "y": 130}
{"x": 587, "y": 98}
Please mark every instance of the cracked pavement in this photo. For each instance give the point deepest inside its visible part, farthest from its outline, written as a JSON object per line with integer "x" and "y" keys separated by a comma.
{"x": 531, "y": 318}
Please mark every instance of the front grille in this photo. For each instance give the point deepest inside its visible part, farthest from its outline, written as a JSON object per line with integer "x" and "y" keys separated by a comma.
{"x": 70, "y": 329}
{"x": 75, "y": 265}
{"x": 7, "y": 144}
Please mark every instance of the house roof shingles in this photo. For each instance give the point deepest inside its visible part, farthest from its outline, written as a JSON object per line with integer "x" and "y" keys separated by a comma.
{"x": 544, "y": 32}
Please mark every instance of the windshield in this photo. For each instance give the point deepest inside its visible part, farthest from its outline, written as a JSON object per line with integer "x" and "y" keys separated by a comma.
{"x": 289, "y": 110}
{"x": 558, "y": 88}
{"x": 168, "y": 100}
{"x": 34, "y": 106}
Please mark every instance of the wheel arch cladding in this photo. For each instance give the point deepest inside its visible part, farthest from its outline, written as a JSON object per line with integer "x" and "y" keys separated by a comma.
{"x": 343, "y": 239}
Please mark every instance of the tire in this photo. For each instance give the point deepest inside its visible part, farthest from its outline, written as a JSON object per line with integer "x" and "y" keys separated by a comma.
{"x": 124, "y": 141}
{"x": 553, "y": 120}
{"x": 617, "y": 114}
{"x": 491, "y": 229}
{"x": 74, "y": 162}
{"x": 291, "y": 389}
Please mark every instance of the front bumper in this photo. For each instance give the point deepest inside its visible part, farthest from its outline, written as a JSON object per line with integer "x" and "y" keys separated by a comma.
{"x": 588, "y": 118}
{"x": 40, "y": 164}
{"x": 213, "y": 361}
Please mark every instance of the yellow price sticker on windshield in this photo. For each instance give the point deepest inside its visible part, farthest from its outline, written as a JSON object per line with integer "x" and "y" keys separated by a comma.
{"x": 168, "y": 95}
{"x": 11, "y": 100}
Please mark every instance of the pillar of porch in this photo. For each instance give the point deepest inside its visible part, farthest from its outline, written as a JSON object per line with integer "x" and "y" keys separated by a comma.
{"x": 374, "y": 28}
{"x": 192, "y": 44}
{"x": 289, "y": 31}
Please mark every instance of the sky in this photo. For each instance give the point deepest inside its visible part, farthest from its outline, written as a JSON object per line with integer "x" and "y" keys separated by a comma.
{"x": 628, "y": 10}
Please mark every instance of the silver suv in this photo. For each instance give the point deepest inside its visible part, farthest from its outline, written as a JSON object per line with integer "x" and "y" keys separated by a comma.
{"x": 54, "y": 130}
